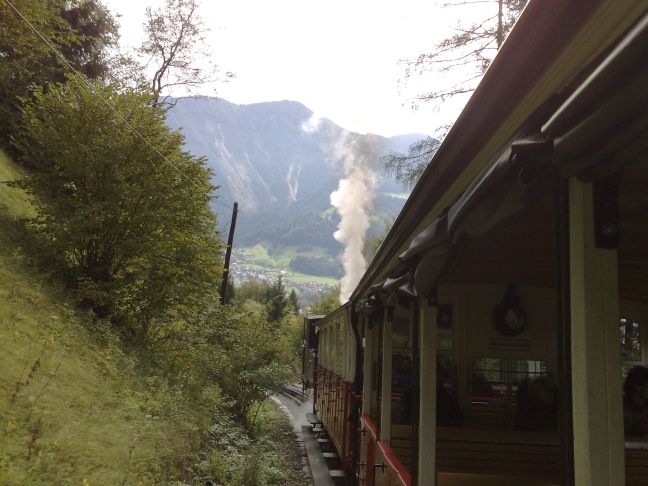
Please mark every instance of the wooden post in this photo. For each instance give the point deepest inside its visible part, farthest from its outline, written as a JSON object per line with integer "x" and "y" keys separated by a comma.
{"x": 368, "y": 367}
{"x": 563, "y": 332}
{"x": 427, "y": 393}
{"x": 596, "y": 362}
{"x": 386, "y": 405}
{"x": 228, "y": 253}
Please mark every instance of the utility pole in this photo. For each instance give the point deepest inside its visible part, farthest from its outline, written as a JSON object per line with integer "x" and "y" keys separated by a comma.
{"x": 228, "y": 253}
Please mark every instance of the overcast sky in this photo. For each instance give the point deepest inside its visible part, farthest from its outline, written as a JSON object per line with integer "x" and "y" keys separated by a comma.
{"x": 341, "y": 58}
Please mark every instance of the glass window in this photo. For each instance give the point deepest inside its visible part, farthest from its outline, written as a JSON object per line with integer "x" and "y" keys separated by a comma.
{"x": 630, "y": 336}
{"x": 402, "y": 370}
{"x": 446, "y": 374}
{"x": 444, "y": 340}
{"x": 339, "y": 361}
{"x": 377, "y": 377}
{"x": 401, "y": 333}
{"x": 494, "y": 382}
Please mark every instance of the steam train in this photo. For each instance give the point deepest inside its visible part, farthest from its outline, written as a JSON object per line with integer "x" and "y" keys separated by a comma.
{"x": 499, "y": 334}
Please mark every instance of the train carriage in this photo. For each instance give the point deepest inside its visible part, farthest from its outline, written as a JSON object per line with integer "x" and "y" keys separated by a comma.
{"x": 493, "y": 336}
{"x": 334, "y": 399}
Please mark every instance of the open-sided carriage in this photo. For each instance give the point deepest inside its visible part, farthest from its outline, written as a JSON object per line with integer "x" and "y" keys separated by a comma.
{"x": 489, "y": 340}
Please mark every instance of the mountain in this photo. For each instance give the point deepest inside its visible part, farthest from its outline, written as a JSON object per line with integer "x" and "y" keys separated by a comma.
{"x": 281, "y": 165}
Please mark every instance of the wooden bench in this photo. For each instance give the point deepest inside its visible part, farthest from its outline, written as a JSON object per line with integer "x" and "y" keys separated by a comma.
{"x": 402, "y": 445}
{"x": 487, "y": 419}
{"x": 498, "y": 453}
{"x": 636, "y": 462}
{"x": 467, "y": 457}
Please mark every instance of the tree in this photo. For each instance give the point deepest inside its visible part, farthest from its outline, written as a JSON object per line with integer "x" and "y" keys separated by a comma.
{"x": 408, "y": 167}
{"x": 466, "y": 54}
{"x": 174, "y": 47}
{"x": 294, "y": 301}
{"x": 251, "y": 366}
{"x": 277, "y": 303}
{"x": 83, "y": 31}
{"x": 470, "y": 50}
{"x": 231, "y": 290}
{"x": 327, "y": 302}
{"x": 255, "y": 290}
{"x": 96, "y": 34}
{"x": 130, "y": 230}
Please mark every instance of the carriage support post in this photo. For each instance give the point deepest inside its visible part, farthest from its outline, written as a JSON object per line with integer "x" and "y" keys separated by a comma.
{"x": 596, "y": 362}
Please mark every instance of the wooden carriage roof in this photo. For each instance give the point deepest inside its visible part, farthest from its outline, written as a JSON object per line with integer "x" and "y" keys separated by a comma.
{"x": 549, "y": 53}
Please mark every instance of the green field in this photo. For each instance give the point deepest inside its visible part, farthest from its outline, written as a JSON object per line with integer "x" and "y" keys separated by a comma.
{"x": 294, "y": 276}
{"x": 259, "y": 257}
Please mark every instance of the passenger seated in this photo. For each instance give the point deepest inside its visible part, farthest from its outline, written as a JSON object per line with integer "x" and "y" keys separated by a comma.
{"x": 635, "y": 402}
{"x": 448, "y": 413}
{"x": 536, "y": 405}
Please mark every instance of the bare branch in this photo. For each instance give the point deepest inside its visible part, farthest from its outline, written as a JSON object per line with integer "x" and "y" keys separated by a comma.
{"x": 469, "y": 50}
{"x": 175, "y": 45}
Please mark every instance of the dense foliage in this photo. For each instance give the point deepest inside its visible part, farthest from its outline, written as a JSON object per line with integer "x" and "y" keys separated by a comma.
{"x": 130, "y": 226}
{"x": 83, "y": 30}
{"x": 326, "y": 303}
{"x": 119, "y": 220}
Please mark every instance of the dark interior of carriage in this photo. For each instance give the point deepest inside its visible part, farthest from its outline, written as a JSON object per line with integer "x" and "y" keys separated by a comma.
{"x": 506, "y": 427}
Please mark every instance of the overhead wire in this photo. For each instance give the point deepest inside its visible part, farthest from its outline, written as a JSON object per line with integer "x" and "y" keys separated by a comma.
{"x": 105, "y": 101}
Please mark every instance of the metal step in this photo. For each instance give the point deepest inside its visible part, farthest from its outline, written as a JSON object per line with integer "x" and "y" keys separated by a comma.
{"x": 313, "y": 419}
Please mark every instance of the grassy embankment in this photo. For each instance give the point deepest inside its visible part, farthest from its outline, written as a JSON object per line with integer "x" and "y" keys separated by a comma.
{"x": 73, "y": 408}
{"x": 68, "y": 414}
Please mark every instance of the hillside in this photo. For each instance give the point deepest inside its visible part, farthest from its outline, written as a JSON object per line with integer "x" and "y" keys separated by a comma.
{"x": 70, "y": 409}
{"x": 74, "y": 407}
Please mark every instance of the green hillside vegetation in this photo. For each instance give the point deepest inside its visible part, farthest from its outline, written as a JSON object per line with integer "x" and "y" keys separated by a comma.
{"x": 14, "y": 201}
{"x": 74, "y": 409}
{"x": 119, "y": 365}
{"x": 69, "y": 406}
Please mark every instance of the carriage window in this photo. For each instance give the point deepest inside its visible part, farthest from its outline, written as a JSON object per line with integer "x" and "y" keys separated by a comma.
{"x": 630, "y": 336}
{"x": 339, "y": 346}
{"x": 401, "y": 333}
{"x": 378, "y": 365}
{"x": 444, "y": 340}
{"x": 494, "y": 382}
{"x": 401, "y": 370}
{"x": 446, "y": 369}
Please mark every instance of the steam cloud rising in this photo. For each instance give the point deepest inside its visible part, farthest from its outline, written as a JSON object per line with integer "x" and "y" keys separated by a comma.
{"x": 354, "y": 200}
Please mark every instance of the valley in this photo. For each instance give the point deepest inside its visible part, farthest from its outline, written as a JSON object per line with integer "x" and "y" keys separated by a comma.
{"x": 281, "y": 162}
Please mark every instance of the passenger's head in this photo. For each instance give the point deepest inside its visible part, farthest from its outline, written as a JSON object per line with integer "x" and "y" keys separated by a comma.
{"x": 541, "y": 390}
{"x": 635, "y": 386}
{"x": 442, "y": 372}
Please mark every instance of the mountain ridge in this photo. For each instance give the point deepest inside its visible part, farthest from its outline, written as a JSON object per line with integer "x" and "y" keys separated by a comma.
{"x": 281, "y": 163}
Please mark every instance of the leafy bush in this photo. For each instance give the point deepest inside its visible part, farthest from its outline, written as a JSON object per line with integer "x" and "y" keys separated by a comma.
{"x": 131, "y": 231}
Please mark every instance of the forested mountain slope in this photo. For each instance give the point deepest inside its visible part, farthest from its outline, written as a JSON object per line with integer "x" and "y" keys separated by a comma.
{"x": 281, "y": 164}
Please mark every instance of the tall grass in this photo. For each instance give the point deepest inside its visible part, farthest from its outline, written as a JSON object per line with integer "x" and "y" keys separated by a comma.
{"x": 70, "y": 405}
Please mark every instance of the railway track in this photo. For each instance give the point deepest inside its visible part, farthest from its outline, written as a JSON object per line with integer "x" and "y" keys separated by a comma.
{"x": 295, "y": 392}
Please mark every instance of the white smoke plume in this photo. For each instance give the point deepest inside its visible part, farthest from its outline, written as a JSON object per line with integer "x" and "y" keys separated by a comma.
{"x": 353, "y": 200}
